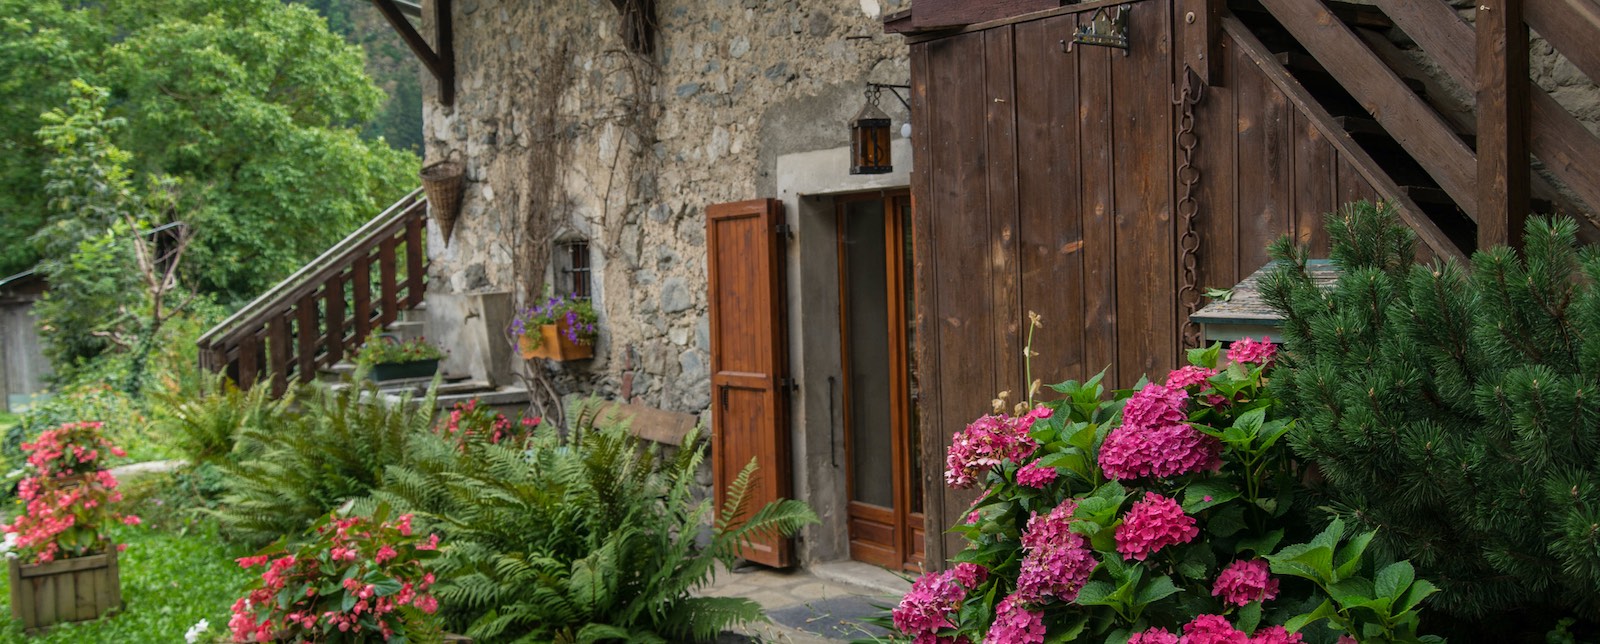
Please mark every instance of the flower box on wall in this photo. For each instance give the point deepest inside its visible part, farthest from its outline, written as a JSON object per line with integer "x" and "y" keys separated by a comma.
{"x": 66, "y": 590}
{"x": 553, "y": 345}
{"x": 403, "y": 370}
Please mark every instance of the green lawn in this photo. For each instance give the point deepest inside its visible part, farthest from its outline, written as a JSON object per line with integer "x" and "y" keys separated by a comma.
{"x": 169, "y": 582}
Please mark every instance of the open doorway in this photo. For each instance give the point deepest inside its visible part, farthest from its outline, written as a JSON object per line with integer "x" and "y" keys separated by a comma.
{"x": 880, "y": 379}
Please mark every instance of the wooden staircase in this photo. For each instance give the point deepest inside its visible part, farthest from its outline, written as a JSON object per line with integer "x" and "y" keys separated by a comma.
{"x": 325, "y": 311}
{"x": 1466, "y": 166}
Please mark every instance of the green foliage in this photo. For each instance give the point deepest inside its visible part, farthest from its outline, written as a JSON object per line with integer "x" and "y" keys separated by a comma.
{"x": 386, "y": 350}
{"x": 1382, "y": 607}
{"x": 205, "y": 424}
{"x": 251, "y": 105}
{"x": 296, "y": 467}
{"x": 126, "y": 423}
{"x": 1456, "y": 407}
{"x": 586, "y": 538}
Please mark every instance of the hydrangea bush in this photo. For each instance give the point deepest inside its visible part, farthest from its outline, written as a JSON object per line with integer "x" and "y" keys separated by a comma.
{"x": 1153, "y": 515}
{"x": 68, "y": 500}
{"x": 356, "y": 580}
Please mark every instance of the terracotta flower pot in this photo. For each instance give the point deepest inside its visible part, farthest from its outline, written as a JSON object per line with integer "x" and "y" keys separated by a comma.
{"x": 554, "y": 345}
{"x": 65, "y": 590}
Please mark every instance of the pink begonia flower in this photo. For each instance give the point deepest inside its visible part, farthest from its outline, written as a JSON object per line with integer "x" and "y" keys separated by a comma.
{"x": 1035, "y": 475}
{"x": 1056, "y": 561}
{"x": 1245, "y": 581}
{"x": 1212, "y": 629}
{"x": 1275, "y": 635}
{"x": 1014, "y": 624}
{"x": 1257, "y": 352}
{"x": 987, "y": 442}
{"x": 1152, "y": 524}
{"x": 969, "y": 574}
{"x": 927, "y": 608}
{"x": 1154, "y": 440}
{"x": 1188, "y": 375}
{"x": 1153, "y": 636}
{"x": 131, "y": 520}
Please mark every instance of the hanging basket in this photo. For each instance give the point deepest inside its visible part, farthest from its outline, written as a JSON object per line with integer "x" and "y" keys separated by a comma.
{"x": 442, "y": 183}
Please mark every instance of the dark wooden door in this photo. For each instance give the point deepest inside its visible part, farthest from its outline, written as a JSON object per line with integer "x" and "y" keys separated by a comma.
{"x": 749, "y": 359}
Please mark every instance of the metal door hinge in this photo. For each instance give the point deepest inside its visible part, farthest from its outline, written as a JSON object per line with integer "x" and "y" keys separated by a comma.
{"x": 788, "y": 384}
{"x": 785, "y": 232}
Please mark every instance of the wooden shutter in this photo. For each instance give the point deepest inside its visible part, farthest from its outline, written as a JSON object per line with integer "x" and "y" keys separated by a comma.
{"x": 749, "y": 359}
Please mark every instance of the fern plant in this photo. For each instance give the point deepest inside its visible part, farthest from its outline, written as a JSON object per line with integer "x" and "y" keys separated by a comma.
{"x": 585, "y": 538}
{"x": 205, "y": 423}
{"x": 298, "y": 466}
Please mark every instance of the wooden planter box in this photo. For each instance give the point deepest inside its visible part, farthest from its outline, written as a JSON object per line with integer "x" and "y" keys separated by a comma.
{"x": 555, "y": 346}
{"x": 69, "y": 590}
{"x": 403, "y": 370}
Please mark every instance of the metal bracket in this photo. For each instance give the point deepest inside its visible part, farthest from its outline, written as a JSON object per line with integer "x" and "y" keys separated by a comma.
{"x": 788, "y": 384}
{"x": 893, "y": 89}
{"x": 1105, "y": 29}
{"x": 785, "y": 231}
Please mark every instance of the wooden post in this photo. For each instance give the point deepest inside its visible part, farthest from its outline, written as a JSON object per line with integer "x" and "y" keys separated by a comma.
{"x": 306, "y": 335}
{"x": 278, "y": 352}
{"x": 249, "y": 361}
{"x": 1503, "y": 169}
{"x": 388, "y": 286}
{"x": 333, "y": 311}
{"x": 414, "y": 267}
{"x": 1200, "y": 22}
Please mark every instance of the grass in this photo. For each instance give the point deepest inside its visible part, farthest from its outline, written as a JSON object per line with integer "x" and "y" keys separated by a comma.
{"x": 170, "y": 581}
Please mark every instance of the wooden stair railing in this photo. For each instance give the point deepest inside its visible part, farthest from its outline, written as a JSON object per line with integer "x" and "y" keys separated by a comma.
{"x": 1492, "y": 183}
{"x": 324, "y": 311}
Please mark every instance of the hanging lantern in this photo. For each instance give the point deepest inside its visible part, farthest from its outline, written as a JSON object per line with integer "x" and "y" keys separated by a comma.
{"x": 869, "y": 138}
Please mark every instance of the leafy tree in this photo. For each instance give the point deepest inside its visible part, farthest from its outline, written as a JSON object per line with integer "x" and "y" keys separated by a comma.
{"x": 253, "y": 105}
{"x": 1457, "y": 408}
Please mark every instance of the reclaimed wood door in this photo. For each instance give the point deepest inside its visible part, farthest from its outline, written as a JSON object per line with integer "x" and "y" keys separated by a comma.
{"x": 749, "y": 359}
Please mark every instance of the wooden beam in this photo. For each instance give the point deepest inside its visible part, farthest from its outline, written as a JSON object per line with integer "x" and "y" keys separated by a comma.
{"x": 1407, "y": 118}
{"x": 1570, "y": 26}
{"x": 440, "y": 64}
{"x": 1564, "y": 145}
{"x": 938, "y": 14}
{"x": 1201, "y": 24}
{"x": 1502, "y": 90}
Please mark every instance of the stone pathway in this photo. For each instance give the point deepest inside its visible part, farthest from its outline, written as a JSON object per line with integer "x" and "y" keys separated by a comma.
{"x": 822, "y": 605}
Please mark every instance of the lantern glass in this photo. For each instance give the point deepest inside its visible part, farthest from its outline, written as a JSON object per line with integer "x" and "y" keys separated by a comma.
{"x": 869, "y": 140}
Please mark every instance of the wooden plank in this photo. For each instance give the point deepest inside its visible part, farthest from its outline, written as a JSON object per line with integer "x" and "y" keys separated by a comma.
{"x": 1050, "y": 225}
{"x": 111, "y": 592}
{"x": 65, "y": 565}
{"x": 278, "y": 352}
{"x": 333, "y": 316}
{"x": 22, "y": 603}
{"x": 1360, "y": 161}
{"x": 1420, "y": 130}
{"x": 249, "y": 361}
{"x": 1558, "y": 139}
{"x": 388, "y": 287}
{"x": 1200, "y": 34}
{"x": 415, "y": 253}
{"x": 306, "y": 337}
{"x": 1095, "y": 203}
{"x": 924, "y": 274}
{"x": 1083, "y": 8}
{"x": 936, "y": 14}
{"x": 1569, "y": 25}
{"x": 83, "y": 588}
{"x": 1502, "y": 91}
{"x": 649, "y": 423}
{"x": 1216, "y": 157}
{"x": 1315, "y": 183}
{"x": 1000, "y": 139}
{"x": 1142, "y": 187}
{"x": 361, "y": 289}
{"x": 1265, "y": 161}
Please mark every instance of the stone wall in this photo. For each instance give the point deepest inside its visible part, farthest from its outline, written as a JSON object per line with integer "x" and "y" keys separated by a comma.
{"x": 565, "y": 133}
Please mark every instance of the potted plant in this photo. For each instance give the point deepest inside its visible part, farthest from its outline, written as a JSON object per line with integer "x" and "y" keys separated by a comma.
{"x": 355, "y": 579}
{"x": 560, "y": 328}
{"x": 58, "y": 547}
{"x": 392, "y": 359}
{"x": 470, "y": 422}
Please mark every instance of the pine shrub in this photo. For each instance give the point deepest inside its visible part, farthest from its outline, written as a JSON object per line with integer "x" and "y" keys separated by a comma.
{"x": 1457, "y": 409}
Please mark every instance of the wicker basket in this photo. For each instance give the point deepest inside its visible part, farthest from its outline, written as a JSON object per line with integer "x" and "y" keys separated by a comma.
{"x": 442, "y": 182}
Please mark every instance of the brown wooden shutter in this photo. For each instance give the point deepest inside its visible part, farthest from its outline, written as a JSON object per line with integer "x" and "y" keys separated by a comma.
{"x": 749, "y": 358}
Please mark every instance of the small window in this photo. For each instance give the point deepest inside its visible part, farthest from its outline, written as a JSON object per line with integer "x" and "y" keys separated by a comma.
{"x": 572, "y": 264}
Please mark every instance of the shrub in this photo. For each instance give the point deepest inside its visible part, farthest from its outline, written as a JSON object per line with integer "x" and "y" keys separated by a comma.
{"x": 582, "y": 538}
{"x": 354, "y": 580}
{"x": 1153, "y": 512}
{"x": 205, "y": 423}
{"x": 1457, "y": 408}
{"x": 67, "y": 497}
{"x": 302, "y": 465}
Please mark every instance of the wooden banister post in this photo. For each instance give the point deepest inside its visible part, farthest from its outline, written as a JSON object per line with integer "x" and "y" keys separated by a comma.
{"x": 1200, "y": 22}
{"x": 1504, "y": 171}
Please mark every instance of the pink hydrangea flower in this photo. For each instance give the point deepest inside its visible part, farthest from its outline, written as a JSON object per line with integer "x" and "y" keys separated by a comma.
{"x": 1346, "y": 639}
{"x": 1212, "y": 629}
{"x": 1154, "y": 441}
{"x": 986, "y": 443}
{"x": 1245, "y": 581}
{"x": 928, "y": 606}
{"x": 1014, "y": 624}
{"x": 1257, "y": 352}
{"x": 1153, "y": 636}
{"x": 969, "y": 574}
{"x": 1152, "y": 524}
{"x": 1189, "y": 375}
{"x": 1035, "y": 475}
{"x": 1276, "y": 635}
{"x": 1056, "y": 561}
